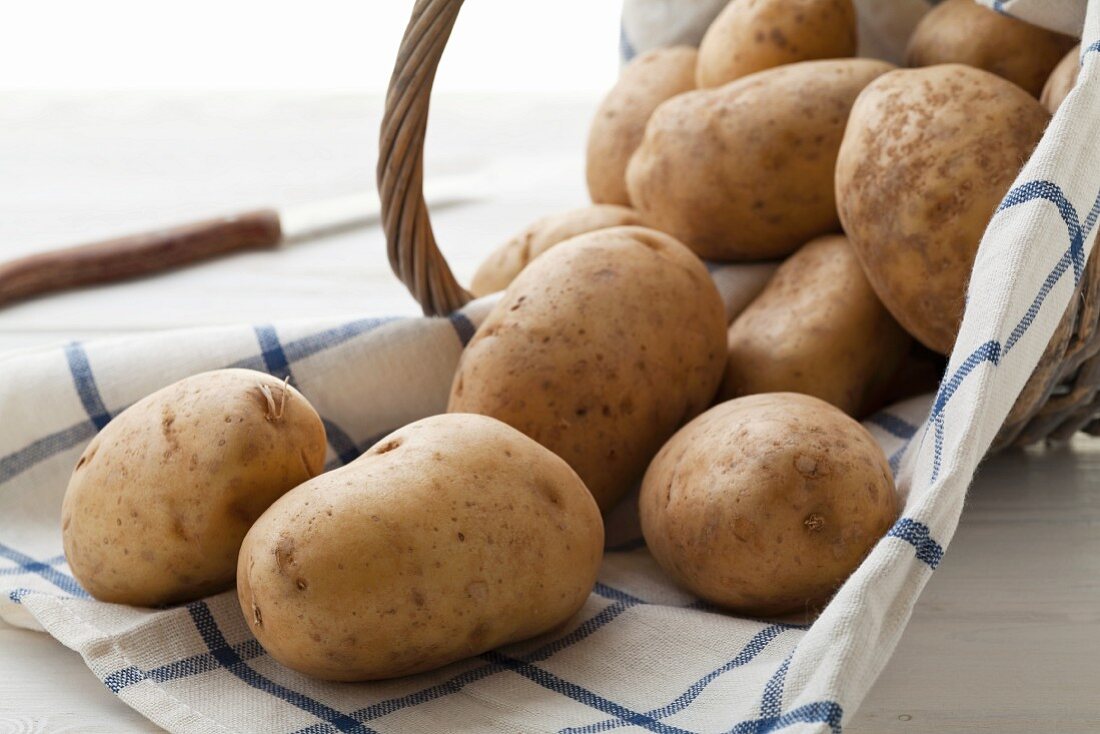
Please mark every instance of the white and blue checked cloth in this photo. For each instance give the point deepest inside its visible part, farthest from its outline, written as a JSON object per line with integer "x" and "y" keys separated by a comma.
{"x": 641, "y": 655}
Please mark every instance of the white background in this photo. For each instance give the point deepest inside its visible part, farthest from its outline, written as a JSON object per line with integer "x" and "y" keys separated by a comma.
{"x": 344, "y": 45}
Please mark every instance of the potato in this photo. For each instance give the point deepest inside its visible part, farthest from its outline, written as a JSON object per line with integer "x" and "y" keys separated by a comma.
{"x": 599, "y": 350}
{"x": 927, "y": 156}
{"x": 817, "y": 329}
{"x": 1061, "y": 80}
{"x": 765, "y": 504}
{"x": 617, "y": 129}
{"x": 161, "y": 499}
{"x": 965, "y": 32}
{"x": 745, "y": 171}
{"x": 753, "y": 35}
{"x": 451, "y": 536}
{"x": 505, "y": 263}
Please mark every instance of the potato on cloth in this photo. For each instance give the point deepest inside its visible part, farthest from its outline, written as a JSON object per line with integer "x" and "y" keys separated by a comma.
{"x": 451, "y": 536}
{"x": 766, "y": 503}
{"x": 162, "y": 497}
{"x": 599, "y": 350}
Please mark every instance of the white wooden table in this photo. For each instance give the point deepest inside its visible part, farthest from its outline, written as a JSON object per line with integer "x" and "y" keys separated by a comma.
{"x": 1006, "y": 637}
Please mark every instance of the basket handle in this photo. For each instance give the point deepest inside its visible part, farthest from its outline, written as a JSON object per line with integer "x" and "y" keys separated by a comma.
{"x": 413, "y": 252}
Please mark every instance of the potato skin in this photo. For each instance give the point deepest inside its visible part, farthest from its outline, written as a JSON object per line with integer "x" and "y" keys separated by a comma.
{"x": 599, "y": 350}
{"x": 764, "y": 505}
{"x": 966, "y": 32}
{"x": 745, "y": 171}
{"x": 505, "y": 263}
{"x": 619, "y": 125}
{"x": 451, "y": 536}
{"x": 753, "y": 35}
{"x": 1061, "y": 80}
{"x": 927, "y": 156}
{"x": 817, "y": 329}
{"x": 161, "y": 499}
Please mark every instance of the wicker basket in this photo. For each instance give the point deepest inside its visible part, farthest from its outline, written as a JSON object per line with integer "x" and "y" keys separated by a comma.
{"x": 1061, "y": 398}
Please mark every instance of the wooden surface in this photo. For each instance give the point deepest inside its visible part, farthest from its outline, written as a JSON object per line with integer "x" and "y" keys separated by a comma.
{"x": 1006, "y": 637}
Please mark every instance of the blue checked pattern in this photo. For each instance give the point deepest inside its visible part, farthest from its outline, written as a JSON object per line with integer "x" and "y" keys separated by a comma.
{"x": 279, "y": 357}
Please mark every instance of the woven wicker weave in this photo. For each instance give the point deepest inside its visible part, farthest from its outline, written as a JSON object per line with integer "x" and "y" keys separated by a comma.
{"x": 1061, "y": 398}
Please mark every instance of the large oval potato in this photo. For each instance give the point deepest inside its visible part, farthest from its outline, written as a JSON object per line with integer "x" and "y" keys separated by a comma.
{"x": 617, "y": 129}
{"x": 599, "y": 350}
{"x": 1061, "y": 80}
{"x": 745, "y": 171}
{"x": 753, "y": 35}
{"x": 928, "y": 155}
{"x": 967, "y": 32}
{"x": 161, "y": 499}
{"x": 451, "y": 536}
{"x": 506, "y": 262}
{"x": 765, "y": 504}
{"x": 817, "y": 329}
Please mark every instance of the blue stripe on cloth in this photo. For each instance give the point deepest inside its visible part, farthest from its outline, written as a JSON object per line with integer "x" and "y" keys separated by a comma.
{"x": 990, "y": 352}
{"x": 20, "y": 570}
{"x": 895, "y": 459}
{"x": 626, "y": 48}
{"x": 999, "y": 6}
{"x": 919, "y": 536}
{"x": 207, "y": 662}
{"x": 275, "y": 359}
{"x": 892, "y": 424}
{"x": 821, "y": 712}
{"x": 30, "y": 565}
{"x": 1052, "y": 192}
{"x": 38, "y": 451}
{"x": 580, "y": 694}
{"x": 622, "y": 602}
{"x": 1037, "y": 303}
{"x": 460, "y": 681}
{"x": 608, "y": 592}
{"x": 464, "y": 328}
{"x": 771, "y": 702}
{"x": 277, "y": 363}
{"x": 307, "y": 346}
{"x": 1091, "y": 48}
{"x": 194, "y": 665}
{"x": 86, "y": 387}
{"x": 44, "y": 448}
{"x": 752, "y": 648}
{"x": 345, "y": 449}
{"x": 229, "y": 659}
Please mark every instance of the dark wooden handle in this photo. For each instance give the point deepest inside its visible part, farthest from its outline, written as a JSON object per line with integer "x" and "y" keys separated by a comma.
{"x": 141, "y": 254}
{"x": 414, "y": 254}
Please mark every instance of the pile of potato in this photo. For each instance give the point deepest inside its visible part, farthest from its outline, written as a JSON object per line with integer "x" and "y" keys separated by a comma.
{"x": 610, "y": 360}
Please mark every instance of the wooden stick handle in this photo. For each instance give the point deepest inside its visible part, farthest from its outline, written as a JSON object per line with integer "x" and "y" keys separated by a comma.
{"x": 128, "y": 257}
